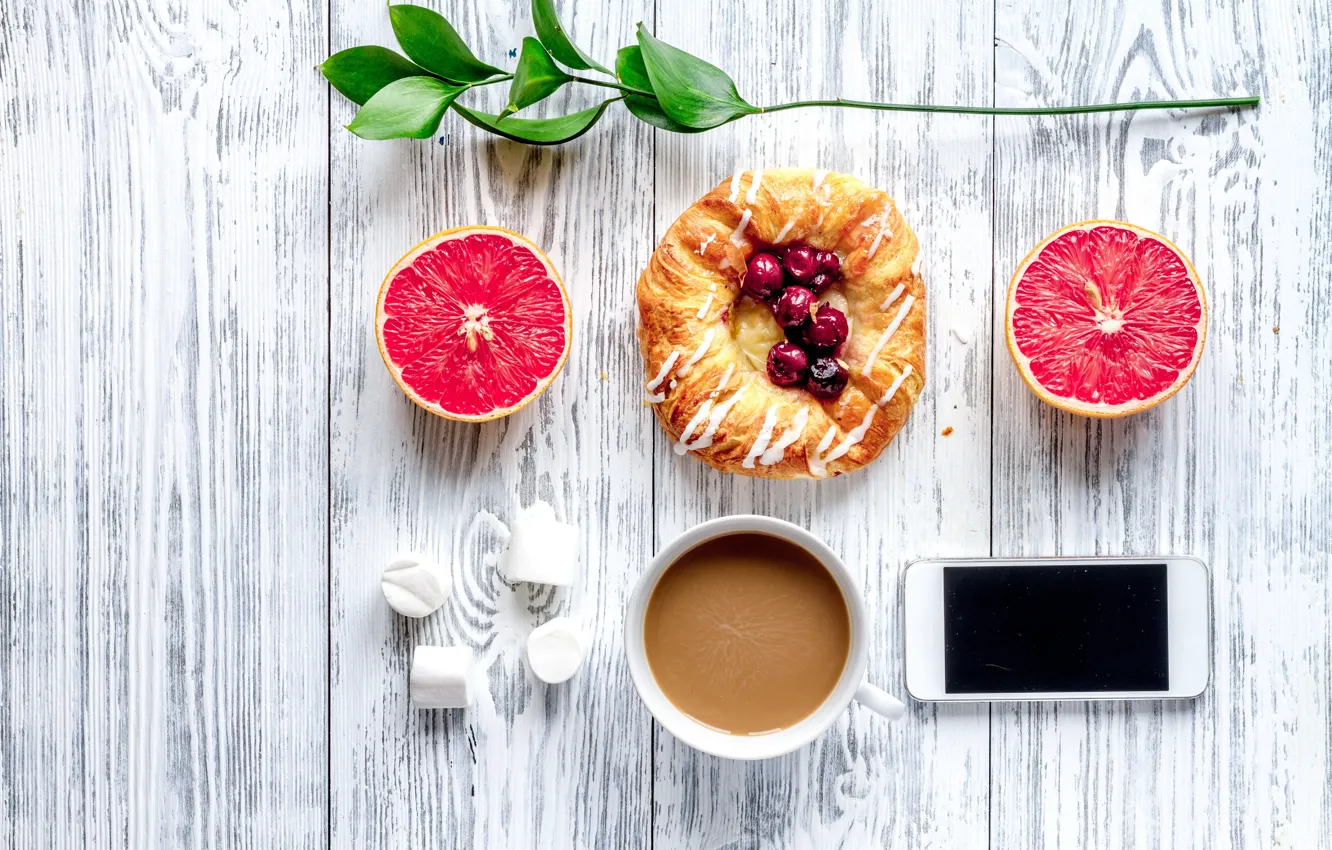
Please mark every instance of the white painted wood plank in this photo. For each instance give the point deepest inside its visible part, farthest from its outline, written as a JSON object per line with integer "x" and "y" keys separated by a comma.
{"x": 530, "y": 765}
{"x": 1231, "y": 469}
{"x": 162, "y": 486}
{"x": 921, "y": 782}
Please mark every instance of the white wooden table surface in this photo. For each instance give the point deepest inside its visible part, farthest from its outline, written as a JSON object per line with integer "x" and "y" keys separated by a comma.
{"x": 205, "y": 464}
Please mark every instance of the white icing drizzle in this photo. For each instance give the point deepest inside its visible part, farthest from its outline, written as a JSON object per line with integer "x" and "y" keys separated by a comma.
{"x": 817, "y": 461}
{"x": 712, "y": 287}
{"x": 751, "y": 196}
{"x": 915, "y": 265}
{"x": 786, "y": 228}
{"x": 681, "y": 447}
{"x": 724, "y": 264}
{"x": 661, "y": 376}
{"x": 826, "y": 441}
{"x": 737, "y": 238}
{"x": 818, "y": 464}
{"x": 703, "y": 311}
{"x": 821, "y": 174}
{"x": 764, "y": 435}
{"x": 726, "y": 379}
{"x": 698, "y": 353}
{"x": 703, "y": 246}
{"x": 884, "y": 230}
{"x": 895, "y": 386}
{"x": 718, "y": 413}
{"x": 672, "y": 383}
{"x": 735, "y": 187}
{"x": 888, "y": 334}
{"x": 892, "y": 296}
{"x": 777, "y": 451}
{"x": 961, "y": 337}
{"x": 714, "y": 422}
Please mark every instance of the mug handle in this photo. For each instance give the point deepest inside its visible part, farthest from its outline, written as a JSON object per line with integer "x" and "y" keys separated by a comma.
{"x": 879, "y": 701}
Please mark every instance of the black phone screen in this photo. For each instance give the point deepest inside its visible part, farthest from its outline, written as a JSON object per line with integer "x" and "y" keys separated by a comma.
{"x": 1055, "y": 628}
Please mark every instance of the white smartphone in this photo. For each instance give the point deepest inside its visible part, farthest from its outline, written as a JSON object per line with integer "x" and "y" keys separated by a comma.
{"x": 1057, "y": 629}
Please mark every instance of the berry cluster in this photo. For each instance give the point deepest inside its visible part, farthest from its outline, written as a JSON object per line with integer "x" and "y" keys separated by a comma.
{"x": 789, "y": 279}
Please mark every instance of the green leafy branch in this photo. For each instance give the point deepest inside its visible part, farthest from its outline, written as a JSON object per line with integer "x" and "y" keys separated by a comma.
{"x": 407, "y": 96}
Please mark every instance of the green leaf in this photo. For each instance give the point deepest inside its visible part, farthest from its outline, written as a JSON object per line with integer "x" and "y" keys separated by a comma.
{"x": 359, "y": 72}
{"x": 648, "y": 111}
{"x": 691, "y": 91}
{"x": 537, "y": 131}
{"x": 631, "y": 71}
{"x": 434, "y": 44}
{"x": 536, "y": 77}
{"x": 553, "y": 37}
{"x": 409, "y": 108}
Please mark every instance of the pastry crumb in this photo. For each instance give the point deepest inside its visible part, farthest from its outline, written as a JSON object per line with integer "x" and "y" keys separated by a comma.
{"x": 604, "y": 376}
{"x": 1276, "y": 329}
{"x": 945, "y": 432}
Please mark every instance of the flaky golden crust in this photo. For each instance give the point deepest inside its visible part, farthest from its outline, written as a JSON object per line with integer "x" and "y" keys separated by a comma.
{"x": 738, "y": 416}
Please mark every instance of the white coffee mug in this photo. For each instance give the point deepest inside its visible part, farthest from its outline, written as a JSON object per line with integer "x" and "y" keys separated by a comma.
{"x": 851, "y": 686}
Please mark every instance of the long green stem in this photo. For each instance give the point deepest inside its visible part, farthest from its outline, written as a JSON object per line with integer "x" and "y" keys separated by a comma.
{"x": 974, "y": 110}
{"x": 502, "y": 78}
{"x": 1010, "y": 110}
{"x": 620, "y": 86}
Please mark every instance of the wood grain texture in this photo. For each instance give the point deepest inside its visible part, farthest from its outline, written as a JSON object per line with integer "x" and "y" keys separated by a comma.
{"x": 923, "y": 781}
{"x": 162, "y": 485}
{"x": 205, "y": 465}
{"x": 1225, "y": 469}
{"x": 530, "y": 765}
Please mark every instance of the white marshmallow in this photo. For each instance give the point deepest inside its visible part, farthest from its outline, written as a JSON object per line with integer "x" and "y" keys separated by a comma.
{"x": 542, "y": 550}
{"x": 555, "y": 650}
{"x": 414, "y": 585}
{"x": 441, "y": 677}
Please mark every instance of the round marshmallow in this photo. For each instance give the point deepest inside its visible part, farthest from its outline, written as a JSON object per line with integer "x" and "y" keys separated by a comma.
{"x": 555, "y": 650}
{"x": 414, "y": 585}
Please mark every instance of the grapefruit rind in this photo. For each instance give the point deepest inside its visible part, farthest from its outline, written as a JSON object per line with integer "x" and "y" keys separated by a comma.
{"x": 1076, "y": 406}
{"x": 429, "y": 244}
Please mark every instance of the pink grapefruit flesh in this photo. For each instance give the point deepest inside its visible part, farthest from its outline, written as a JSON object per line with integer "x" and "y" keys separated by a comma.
{"x": 473, "y": 323}
{"x": 1106, "y": 319}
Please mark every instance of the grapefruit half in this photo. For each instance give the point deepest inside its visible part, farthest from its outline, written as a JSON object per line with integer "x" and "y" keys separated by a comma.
{"x": 1106, "y": 319}
{"x": 473, "y": 323}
